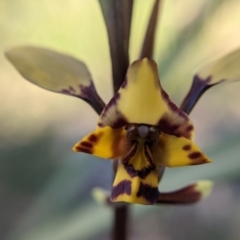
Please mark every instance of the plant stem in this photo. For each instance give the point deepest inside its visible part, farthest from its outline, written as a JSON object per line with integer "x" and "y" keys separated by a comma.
{"x": 121, "y": 215}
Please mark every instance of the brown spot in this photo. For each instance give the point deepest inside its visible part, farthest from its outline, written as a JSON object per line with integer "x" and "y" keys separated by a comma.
{"x": 119, "y": 122}
{"x": 187, "y": 147}
{"x": 190, "y": 128}
{"x": 195, "y": 155}
{"x": 148, "y": 192}
{"x": 86, "y": 144}
{"x": 93, "y": 138}
{"x": 85, "y": 150}
{"x": 124, "y": 187}
{"x": 69, "y": 91}
{"x": 166, "y": 127}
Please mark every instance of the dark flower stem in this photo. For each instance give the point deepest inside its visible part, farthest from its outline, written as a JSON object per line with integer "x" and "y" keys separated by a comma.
{"x": 120, "y": 223}
{"x": 117, "y": 15}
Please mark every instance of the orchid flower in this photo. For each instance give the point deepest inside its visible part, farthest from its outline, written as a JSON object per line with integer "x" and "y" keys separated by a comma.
{"x": 145, "y": 131}
{"x": 140, "y": 128}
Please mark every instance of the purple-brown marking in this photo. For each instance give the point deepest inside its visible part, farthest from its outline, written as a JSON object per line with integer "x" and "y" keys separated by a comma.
{"x": 93, "y": 138}
{"x": 187, "y": 147}
{"x": 86, "y": 144}
{"x": 120, "y": 122}
{"x": 166, "y": 127}
{"x": 85, "y": 150}
{"x": 148, "y": 192}
{"x": 199, "y": 86}
{"x": 195, "y": 155}
{"x": 124, "y": 187}
{"x": 172, "y": 106}
{"x": 112, "y": 102}
{"x": 189, "y": 128}
{"x": 130, "y": 155}
{"x": 69, "y": 91}
{"x": 124, "y": 84}
{"x": 145, "y": 171}
{"x": 185, "y": 195}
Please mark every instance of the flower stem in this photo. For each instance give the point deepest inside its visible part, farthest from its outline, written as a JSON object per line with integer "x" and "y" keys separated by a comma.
{"x": 121, "y": 215}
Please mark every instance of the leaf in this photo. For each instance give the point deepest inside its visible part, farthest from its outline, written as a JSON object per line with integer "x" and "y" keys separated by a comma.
{"x": 224, "y": 69}
{"x": 117, "y": 16}
{"x": 148, "y": 44}
{"x": 55, "y": 72}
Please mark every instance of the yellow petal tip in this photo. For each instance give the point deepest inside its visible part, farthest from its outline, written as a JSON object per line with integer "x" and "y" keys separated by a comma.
{"x": 100, "y": 195}
{"x": 204, "y": 187}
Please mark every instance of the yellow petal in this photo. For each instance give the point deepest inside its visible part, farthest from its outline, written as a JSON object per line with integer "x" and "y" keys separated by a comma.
{"x": 50, "y": 70}
{"x": 103, "y": 142}
{"x": 134, "y": 189}
{"x": 136, "y": 179}
{"x": 177, "y": 152}
{"x": 142, "y": 100}
{"x": 56, "y": 72}
{"x": 225, "y": 68}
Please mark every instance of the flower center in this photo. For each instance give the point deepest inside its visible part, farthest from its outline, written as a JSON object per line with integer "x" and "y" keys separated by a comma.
{"x": 143, "y": 134}
{"x": 139, "y": 161}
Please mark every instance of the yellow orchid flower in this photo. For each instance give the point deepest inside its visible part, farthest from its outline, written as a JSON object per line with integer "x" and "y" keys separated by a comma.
{"x": 145, "y": 131}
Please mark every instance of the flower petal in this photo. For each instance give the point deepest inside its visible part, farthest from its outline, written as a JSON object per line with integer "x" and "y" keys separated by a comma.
{"x": 176, "y": 152}
{"x": 56, "y": 72}
{"x": 187, "y": 195}
{"x": 134, "y": 189}
{"x": 142, "y": 100}
{"x": 103, "y": 142}
{"x": 225, "y": 69}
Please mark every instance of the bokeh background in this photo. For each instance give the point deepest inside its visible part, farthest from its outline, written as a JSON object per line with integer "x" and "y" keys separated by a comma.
{"x": 45, "y": 188}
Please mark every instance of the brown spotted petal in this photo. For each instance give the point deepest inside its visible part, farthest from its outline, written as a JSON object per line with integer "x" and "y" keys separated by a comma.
{"x": 224, "y": 69}
{"x": 178, "y": 151}
{"x": 142, "y": 100}
{"x": 56, "y": 72}
{"x": 187, "y": 195}
{"x": 104, "y": 142}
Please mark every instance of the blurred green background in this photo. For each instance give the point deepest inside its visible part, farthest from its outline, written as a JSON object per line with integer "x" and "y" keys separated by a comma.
{"x": 45, "y": 188}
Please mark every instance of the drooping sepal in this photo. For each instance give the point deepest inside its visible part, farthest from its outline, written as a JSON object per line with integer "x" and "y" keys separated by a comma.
{"x": 56, "y": 72}
{"x": 176, "y": 152}
{"x": 224, "y": 69}
{"x": 187, "y": 195}
{"x": 103, "y": 142}
{"x": 142, "y": 100}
